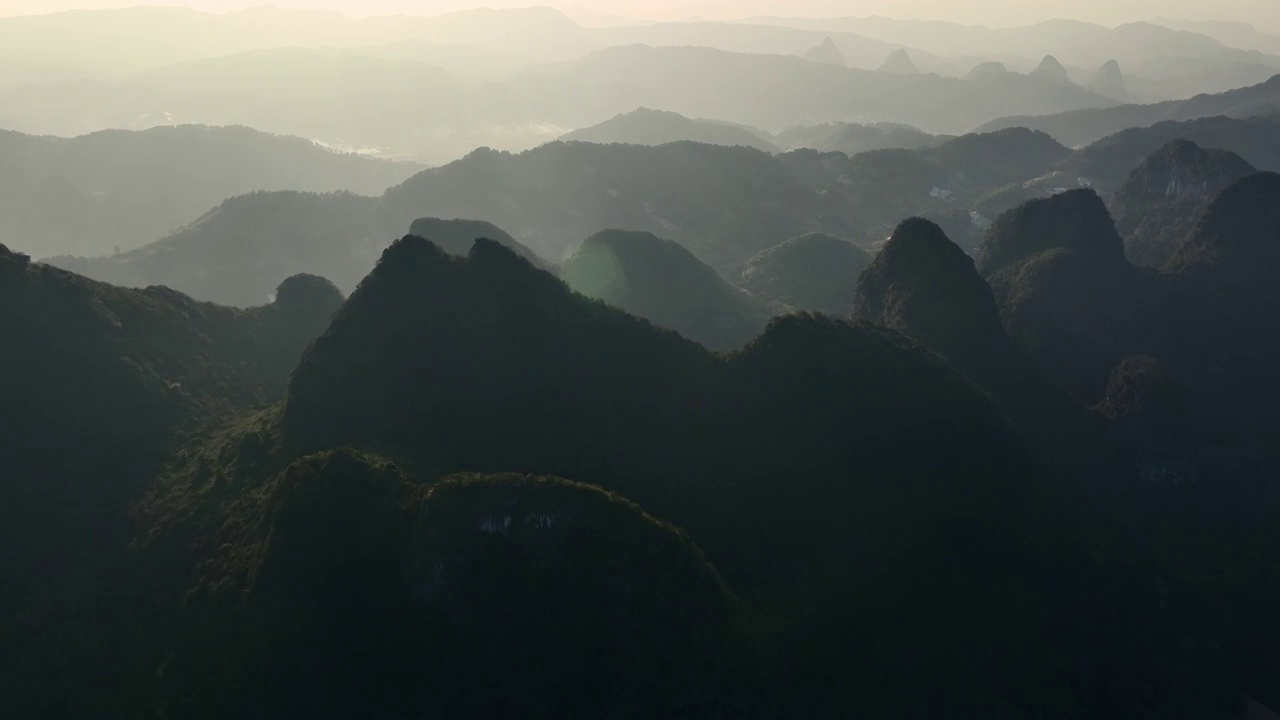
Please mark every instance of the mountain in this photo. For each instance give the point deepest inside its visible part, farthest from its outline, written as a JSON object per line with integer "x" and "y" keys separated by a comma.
{"x": 924, "y": 286}
{"x": 1109, "y": 81}
{"x": 1234, "y": 34}
{"x": 852, "y": 138}
{"x": 357, "y": 558}
{"x": 900, "y": 63}
{"x": 995, "y": 159}
{"x": 1149, "y": 411}
{"x": 426, "y": 113}
{"x": 457, "y": 236}
{"x": 1159, "y": 205}
{"x": 795, "y": 532}
{"x": 1163, "y": 63}
{"x": 1108, "y": 162}
{"x": 238, "y": 252}
{"x": 987, "y": 71}
{"x": 99, "y": 385}
{"x": 1050, "y": 70}
{"x": 766, "y": 91}
{"x": 1058, "y": 272}
{"x": 662, "y": 282}
{"x": 1232, "y": 244}
{"x": 812, "y": 273}
{"x": 655, "y": 127}
{"x": 91, "y": 195}
{"x": 724, "y": 204}
{"x": 1079, "y": 127}
{"x": 827, "y": 52}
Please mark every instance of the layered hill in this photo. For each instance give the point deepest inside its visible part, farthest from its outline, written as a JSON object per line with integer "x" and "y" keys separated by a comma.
{"x": 853, "y": 138}
{"x": 724, "y": 204}
{"x": 813, "y": 273}
{"x": 1159, "y": 205}
{"x": 655, "y": 127}
{"x": 1079, "y": 127}
{"x": 795, "y": 463}
{"x": 91, "y": 195}
{"x": 662, "y": 282}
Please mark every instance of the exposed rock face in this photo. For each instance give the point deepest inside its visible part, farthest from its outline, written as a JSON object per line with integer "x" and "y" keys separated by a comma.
{"x": 826, "y": 52}
{"x": 1159, "y": 205}
{"x": 899, "y": 63}
{"x": 1050, "y": 70}
{"x": 1109, "y": 81}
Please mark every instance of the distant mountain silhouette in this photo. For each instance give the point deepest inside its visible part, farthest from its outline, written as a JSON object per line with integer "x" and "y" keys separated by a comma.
{"x": 827, "y": 52}
{"x": 457, "y": 236}
{"x": 1109, "y": 81}
{"x": 662, "y": 282}
{"x": 987, "y": 71}
{"x": 813, "y": 272}
{"x": 1050, "y": 70}
{"x": 851, "y": 138}
{"x": 1159, "y": 205}
{"x": 899, "y": 63}
{"x": 1079, "y": 127}
{"x": 655, "y": 127}
{"x": 90, "y": 196}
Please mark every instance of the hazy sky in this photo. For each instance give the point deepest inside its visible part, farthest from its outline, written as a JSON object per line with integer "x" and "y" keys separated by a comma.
{"x": 1264, "y": 13}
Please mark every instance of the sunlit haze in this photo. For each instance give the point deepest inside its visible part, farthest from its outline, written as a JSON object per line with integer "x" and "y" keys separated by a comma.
{"x": 995, "y": 13}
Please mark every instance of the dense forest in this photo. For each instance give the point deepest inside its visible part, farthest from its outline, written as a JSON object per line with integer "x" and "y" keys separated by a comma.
{"x": 781, "y": 378}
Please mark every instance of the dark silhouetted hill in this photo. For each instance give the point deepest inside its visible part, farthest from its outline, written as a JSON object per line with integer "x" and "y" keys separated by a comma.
{"x": 97, "y": 386}
{"x": 1059, "y": 275}
{"x": 662, "y": 282}
{"x": 814, "y": 273}
{"x": 432, "y": 587}
{"x": 655, "y": 127}
{"x": 924, "y": 286}
{"x": 1159, "y": 205}
{"x": 94, "y": 195}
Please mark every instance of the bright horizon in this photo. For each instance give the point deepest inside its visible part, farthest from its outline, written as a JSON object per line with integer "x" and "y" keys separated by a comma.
{"x": 1264, "y": 14}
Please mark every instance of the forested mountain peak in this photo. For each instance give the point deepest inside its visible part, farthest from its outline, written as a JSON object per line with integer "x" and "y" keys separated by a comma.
{"x": 1077, "y": 220}
{"x": 1161, "y": 201}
